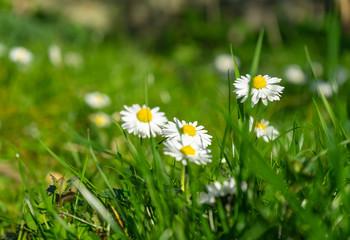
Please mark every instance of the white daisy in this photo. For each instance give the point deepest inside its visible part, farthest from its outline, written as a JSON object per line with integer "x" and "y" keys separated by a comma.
{"x": 97, "y": 100}
{"x": 20, "y": 55}
{"x": 325, "y": 88}
{"x": 224, "y": 63}
{"x": 217, "y": 190}
{"x": 55, "y": 55}
{"x": 174, "y": 130}
{"x": 263, "y": 88}
{"x": 262, "y": 129}
{"x": 143, "y": 121}
{"x": 341, "y": 75}
{"x": 185, "y": 149}
{"x": 100, "y": 119}
{"x": 294, "y": 74}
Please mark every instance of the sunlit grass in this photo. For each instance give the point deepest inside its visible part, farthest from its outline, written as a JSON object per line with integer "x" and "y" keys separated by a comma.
{"x": 118, "y": 186}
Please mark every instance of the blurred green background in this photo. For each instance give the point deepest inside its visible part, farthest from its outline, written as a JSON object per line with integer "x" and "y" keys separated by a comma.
{"x": 113, "y": 46}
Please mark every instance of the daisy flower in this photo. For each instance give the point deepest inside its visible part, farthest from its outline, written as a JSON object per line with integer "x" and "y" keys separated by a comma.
{"x": 263, "y": 88}
{"x": 341, "y": 75}
{"x": 294, "y": 74}
{"x": 217, "y": 190}
{"x": 55, "y": 55}
{"x": 97, "y": 100}
{"x": 224, "y": 63}
{"x": 20, "y": 55}
{"x": 185, "y": 149}
{"x": 325, "y": 88}
{"x": 174, "y": 130}
{"x": 101, "y": 120}
{"x": 262, "y": 129}
{"x": 143, "y": 121}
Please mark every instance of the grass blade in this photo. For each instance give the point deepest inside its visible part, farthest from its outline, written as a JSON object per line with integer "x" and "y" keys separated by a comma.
{"x": 98, "y": 206}
{"x": 255, "y": 64}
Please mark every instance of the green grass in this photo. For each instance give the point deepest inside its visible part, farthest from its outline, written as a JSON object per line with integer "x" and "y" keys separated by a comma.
{"x": 116, "y": 186}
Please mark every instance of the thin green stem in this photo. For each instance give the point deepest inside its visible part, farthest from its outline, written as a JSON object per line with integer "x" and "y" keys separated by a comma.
{"x": 183, "y": 174}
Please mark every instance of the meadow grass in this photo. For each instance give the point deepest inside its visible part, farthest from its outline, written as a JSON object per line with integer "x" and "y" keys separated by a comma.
{"x": 115, "y": 185}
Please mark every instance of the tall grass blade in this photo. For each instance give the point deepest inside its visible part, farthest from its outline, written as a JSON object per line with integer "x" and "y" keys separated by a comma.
{"x": 308, "y": 58}
{"x": 322, "y": 121}
{"x": 256, "y": 57}
{"x": 237, "y": 74}
{"x": 27, "y": 196}
{"x": 98, "y": 206}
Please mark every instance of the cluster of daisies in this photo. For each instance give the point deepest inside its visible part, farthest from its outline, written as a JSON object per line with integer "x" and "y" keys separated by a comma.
{"x": 97, "y": 101}
{"x": 185, "y": 141}
{"x": 188, "y": 141}
{"x": 264, "y": 88}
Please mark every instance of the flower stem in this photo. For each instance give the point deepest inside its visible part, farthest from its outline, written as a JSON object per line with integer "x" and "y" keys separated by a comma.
{"x": 183, "y": 173}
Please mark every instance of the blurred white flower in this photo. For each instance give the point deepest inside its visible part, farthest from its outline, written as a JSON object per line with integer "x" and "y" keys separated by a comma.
{"x": 97, "y": 100}
{"x": 217, "y": 190}
{"x": 73, "y": 59}
{"x": 224, "y": 63}
{"x": 20, "y": 55}
{"x": 262, "y": 129}
{"x": 294, "y": 74}
{"x": 100, "y": 119}
{"x": 341, "y": 75}
{"x": 165, "y": 96}
{"x": 244, "y": 186}
{"x": 2, "y": 49}
{"x": 55, "y": 55}
{"x": 325, "y": 88}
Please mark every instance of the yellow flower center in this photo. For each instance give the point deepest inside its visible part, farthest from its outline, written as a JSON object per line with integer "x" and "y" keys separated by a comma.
{"x": 99, "y": 98}
{"x": 188, "y": 150}
{"x": 189, "y": 129}
{"x": 20, "y": 56}
{"x": 144, "y": 115}
{"x": 260, "y": 125}
{"x": 100, "y": 120}
{"x": 259, "y": 82}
